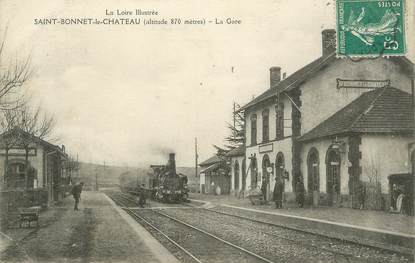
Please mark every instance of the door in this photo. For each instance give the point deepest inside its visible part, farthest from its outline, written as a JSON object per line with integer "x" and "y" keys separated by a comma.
{"x": 333, "y": 176}
{"x": 313, "y": 178}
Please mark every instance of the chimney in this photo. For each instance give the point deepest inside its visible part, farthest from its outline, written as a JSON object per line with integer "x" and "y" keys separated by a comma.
{"x": 328, "y": 41}
{"x": 275, "y": 76}
{"x": 63, "y": 148}
{"x": 172, "y": 163}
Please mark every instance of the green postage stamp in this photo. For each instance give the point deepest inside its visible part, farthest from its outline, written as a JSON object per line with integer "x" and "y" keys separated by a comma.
{"x": 368, "y": 28}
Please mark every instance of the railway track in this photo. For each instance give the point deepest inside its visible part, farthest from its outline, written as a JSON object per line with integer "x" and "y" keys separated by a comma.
{"x": 346, "y": 251}
{"x": 197, "y": 244}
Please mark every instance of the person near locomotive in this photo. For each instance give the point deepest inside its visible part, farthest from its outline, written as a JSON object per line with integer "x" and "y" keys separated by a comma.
{"x": 300, "y": 192}
{"x": 76, "y": 193}
{"x": 278, "y": 192}
{"x": 142, "y": 196}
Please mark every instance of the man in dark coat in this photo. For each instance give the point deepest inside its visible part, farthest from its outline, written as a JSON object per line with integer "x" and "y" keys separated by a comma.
{"x": 76, "y": 193}
{"x": 142, "y": 196}
{"x": 278, "y": 190}
{"x": 300, "y": 191}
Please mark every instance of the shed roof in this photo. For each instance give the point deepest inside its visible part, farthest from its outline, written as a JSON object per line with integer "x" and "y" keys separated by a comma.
{"x": 211, "y": 167}
{"x": 238, "y": 151}
{"x": 384, "y": 110}
{"x": 211, "y": 160}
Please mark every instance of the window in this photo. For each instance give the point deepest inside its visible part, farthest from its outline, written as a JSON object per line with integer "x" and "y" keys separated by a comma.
{"x": 253, "y": 129}
{"x": 265, "y": 125}
{"x": 16, "y": 175}
{"x": 280, "y": 121}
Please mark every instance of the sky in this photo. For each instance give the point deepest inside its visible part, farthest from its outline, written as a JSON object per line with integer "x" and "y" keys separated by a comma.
{"x": 128, "y": 94}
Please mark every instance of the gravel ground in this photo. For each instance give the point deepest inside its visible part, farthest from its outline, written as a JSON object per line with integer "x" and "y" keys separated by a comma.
{"x": 281, "y": 244}
{"x": 205, "y": 248}
{"x": 364, "y": 218}
{"x": 96, "y": 233}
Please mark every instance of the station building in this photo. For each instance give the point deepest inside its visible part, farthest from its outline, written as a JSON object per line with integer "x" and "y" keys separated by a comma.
{"x": 336, "y": 124}
{"x": 46, "y": 178}
{"x": 214, "y": 175}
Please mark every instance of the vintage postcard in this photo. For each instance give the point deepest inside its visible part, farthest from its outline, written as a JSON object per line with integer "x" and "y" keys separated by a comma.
{"x": 207, "y": 131}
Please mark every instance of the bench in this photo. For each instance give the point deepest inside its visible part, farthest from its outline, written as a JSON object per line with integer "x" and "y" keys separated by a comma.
{"x": 30, "y": 214}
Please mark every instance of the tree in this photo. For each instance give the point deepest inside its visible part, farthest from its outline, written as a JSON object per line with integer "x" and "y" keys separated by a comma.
{"x": 13, "y": 76}
{"x": 236, "y": 137}
{"x": 71, "y": 165}
{"x": 8, "y": 121}
{"x": 27, "y": 126}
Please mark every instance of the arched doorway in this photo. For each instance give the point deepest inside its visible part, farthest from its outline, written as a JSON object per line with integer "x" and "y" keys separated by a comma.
{"x": 266, "y": 175}
{"x": 243, "y": 174}
{"x": 313, "y": 178}
{"x": 254, "y": 173}
{"x": 333, "y": 162}
{"x": 236, "y": 176}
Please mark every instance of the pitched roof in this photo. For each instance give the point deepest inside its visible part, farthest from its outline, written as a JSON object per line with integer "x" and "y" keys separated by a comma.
{"x": 34, "y": 139}
{"x": 211, "y": 167}
{"x": 308, "y": 71}
{"x": 384, "y": 110}
{"x": 295, "y": 78}
{"x": 211, "y": 160}
{"x": 238, "y": 151}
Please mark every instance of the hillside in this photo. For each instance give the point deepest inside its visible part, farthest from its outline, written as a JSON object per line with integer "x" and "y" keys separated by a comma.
{"x": 107, "y": 174}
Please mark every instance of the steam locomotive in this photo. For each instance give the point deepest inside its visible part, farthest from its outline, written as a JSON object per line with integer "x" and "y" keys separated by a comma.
{"x": 163, "y": 183}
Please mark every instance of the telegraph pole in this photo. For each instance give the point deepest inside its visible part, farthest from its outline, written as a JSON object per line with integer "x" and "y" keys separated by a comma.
{"x": 96, "y": 181}
{"x": 196, "y": 157}
{"x": 234, "y": 120}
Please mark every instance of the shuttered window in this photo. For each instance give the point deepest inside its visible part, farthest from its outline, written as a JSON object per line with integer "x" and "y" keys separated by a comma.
{"x": 265, "y": 125}
{"x": 280, "y": 121}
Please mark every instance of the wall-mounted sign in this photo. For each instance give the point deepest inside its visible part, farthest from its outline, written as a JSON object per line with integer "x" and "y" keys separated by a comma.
{"x": 266, "y": 148}
{"x": 362, "y": 84}
{"x": 18, "y": 152}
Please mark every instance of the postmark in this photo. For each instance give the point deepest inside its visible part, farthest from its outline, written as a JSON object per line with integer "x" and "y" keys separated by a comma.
{"x": 370, "y": 28}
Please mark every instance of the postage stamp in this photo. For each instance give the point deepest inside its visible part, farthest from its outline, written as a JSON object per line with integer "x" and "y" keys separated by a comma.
{"x": 369, "y": 28}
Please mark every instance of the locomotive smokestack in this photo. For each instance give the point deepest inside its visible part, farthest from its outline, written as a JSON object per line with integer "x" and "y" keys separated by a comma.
{"x": 172, "y": 162}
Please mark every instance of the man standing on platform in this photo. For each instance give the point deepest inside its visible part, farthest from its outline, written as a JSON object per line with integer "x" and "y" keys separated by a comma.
{"x": 278, "y": 189}
{"x": 300, "y": 192}
{"x": 76, "y": 193}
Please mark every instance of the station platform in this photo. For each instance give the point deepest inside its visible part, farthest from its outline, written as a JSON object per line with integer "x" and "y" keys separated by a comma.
{"x": 376, "y": 228}
{"x": 99, "y": 232}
